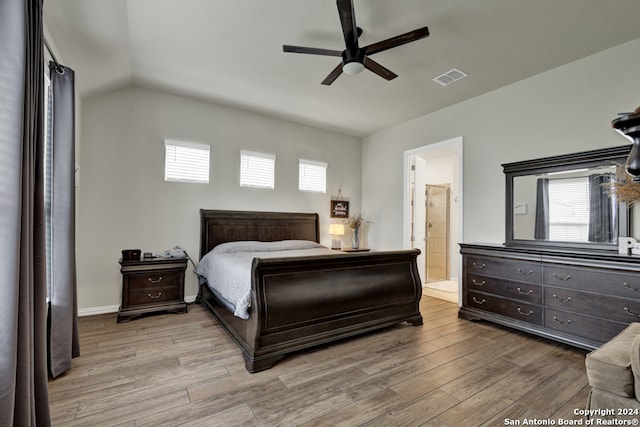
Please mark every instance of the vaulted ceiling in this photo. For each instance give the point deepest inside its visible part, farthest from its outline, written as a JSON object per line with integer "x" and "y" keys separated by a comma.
{"x": 230, "y": 51}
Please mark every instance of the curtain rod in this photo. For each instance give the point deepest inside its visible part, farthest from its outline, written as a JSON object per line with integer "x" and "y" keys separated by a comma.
{"x": 59, "y": 68}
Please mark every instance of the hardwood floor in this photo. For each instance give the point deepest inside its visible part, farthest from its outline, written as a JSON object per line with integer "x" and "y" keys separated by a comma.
{"x": 182, "y": 369}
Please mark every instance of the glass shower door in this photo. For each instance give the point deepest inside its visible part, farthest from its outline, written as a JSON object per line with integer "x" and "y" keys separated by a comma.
{"x": 437, "y": 231}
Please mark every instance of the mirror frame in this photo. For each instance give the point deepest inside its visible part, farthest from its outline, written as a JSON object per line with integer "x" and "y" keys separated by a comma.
{"x": 585, "y": 159}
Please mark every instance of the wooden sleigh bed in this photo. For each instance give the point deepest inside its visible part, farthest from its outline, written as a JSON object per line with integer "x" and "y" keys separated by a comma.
{"x": 300, "y": 302}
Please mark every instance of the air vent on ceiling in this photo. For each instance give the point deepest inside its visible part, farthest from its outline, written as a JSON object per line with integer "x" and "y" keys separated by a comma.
{"x": 450, "y": 76}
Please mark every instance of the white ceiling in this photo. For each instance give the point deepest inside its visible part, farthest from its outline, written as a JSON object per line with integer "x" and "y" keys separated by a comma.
{"x": 230, "y": 51}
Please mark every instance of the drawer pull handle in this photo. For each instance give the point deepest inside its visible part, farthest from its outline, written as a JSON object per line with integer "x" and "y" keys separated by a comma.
{"x": 155, "y": 296}
{"x": 480, "y": 266}
{"x": 626, "y": 285}
{"x": 475, "y": 282}
{"x": 560, "y": 299}
{"x": 631, "y": 313}
{"x": 560, "y": 321}
{"x": 479, "y": 302}
{"x": 525, "y": 293}
{"x": 156, "y": 280}
{"x": 523, "y": 313}
{"x": 564, "y": 279}
{"x": 528, "y": 273}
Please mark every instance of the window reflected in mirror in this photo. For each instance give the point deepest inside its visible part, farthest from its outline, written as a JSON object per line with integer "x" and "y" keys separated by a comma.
{"x": 567, "y": 206}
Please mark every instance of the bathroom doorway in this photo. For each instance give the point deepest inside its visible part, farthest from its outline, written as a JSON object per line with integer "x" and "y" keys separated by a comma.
{"x": 433, "y": 212}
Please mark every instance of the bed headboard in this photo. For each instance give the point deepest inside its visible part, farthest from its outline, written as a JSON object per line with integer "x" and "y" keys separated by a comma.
{"x": 217, "y": 226}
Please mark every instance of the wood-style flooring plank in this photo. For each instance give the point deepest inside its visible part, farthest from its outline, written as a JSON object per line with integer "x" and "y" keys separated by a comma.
{"x": 417, "y": 411}
{"x": 360, "y": 411}
{"x": 184, "y": 370}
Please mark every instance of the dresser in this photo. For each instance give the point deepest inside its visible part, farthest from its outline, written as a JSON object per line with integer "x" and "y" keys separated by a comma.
{"x": 152, "y": 285}
{"x": 579, "y": 298}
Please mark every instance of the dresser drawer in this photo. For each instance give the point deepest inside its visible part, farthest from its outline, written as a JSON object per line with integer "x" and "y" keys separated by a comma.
{"x": 154, "y": 279}
{"x": 608, "y": 307}
{"x": 593, "y": 328}
{"x": 154, "y": 295}
{"x": 522, "y": 291}
{"x": 604, "y": 281}
{"x": 514, "y": 309}
{"x": 506, "y": 268}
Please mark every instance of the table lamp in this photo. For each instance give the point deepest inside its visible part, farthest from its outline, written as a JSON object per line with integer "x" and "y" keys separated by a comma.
{"x": 336, "y": 230}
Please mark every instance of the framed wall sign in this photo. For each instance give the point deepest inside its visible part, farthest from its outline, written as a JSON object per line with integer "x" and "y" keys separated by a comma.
{"x": 339, "y": 209}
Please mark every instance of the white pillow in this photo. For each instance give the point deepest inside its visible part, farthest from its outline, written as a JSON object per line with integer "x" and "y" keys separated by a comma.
{"x": 255, "y": 246}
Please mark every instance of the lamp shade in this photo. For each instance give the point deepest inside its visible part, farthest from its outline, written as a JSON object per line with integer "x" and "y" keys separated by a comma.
{"x": 336, "y": 229}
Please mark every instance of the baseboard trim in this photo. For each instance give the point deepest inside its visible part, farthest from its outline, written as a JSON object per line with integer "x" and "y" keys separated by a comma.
{"x": 92, "y": 311}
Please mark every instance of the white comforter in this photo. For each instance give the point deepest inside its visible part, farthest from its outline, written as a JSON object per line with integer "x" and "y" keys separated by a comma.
{"x": 227, "y": 267}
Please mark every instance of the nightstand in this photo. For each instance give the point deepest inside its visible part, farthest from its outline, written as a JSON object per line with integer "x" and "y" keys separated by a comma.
{"x": 152, "y": 285}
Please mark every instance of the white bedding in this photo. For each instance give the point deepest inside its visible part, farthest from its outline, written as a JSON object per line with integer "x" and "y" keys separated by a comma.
{"x": 227, "y": 267}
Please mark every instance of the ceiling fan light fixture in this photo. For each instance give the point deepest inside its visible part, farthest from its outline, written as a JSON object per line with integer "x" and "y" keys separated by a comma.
{"x": 355, "y": 58}
{"x": 352, "y": 68}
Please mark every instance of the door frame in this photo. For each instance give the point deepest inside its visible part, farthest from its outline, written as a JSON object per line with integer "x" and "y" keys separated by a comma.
{"x": 433, "y": 150}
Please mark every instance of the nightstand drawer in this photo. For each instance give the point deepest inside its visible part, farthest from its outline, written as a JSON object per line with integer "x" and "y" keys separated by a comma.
{"x": 154, "y": 279}
{"x": 154, "y": 295}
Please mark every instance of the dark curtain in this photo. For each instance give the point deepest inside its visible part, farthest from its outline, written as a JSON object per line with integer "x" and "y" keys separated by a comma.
{"x": 23, "y": 308}
{"x": 542, "y": 210}
{"x": 602, "y": 213}
{"x": 61, "y": 252}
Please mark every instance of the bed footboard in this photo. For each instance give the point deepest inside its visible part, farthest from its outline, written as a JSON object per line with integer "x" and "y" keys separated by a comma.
{"x": 302, "y": 302}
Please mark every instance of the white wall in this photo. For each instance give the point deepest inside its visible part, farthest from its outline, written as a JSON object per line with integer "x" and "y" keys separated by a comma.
{"x": 564, "y": 110}
{"x": 125, "y": 202}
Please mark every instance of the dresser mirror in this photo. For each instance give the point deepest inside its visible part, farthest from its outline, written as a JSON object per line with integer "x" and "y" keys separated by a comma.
{"x": 565, "y": 201}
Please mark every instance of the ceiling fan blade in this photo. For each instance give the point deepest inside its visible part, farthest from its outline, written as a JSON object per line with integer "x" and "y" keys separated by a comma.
{"x": 333, "y": 75}
{"x": 348, "y": 22}
{"x": 383, "y": 72}
{"x": 311, "y": 50}
{"x": 409, "y": 37}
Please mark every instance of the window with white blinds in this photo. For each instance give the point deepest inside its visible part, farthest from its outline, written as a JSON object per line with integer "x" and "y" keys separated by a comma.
{"x": 186, "y": 161}
{"x": 312, "y": 176}
{"x": 569, "y": 209}
{"x": 257, "y": 169}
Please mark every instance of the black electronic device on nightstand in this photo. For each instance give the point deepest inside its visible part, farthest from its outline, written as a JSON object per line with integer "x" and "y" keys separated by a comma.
{"x": 131, "y": 254}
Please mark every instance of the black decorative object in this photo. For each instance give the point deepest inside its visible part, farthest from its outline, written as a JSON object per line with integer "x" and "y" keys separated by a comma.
{"x": 628, "y": 124}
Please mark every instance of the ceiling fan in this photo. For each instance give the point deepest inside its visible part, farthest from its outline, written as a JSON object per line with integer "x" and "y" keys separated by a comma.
{"x": 355, "y": 58}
